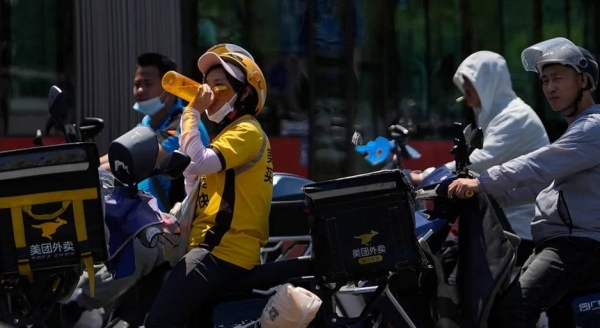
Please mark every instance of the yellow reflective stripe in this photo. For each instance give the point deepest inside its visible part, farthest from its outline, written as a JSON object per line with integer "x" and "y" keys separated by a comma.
{"x": 81, "y": 230}
{"x": 19, "y": 235}
{"x": 48, "y": 197}
{"x": 79, "y": 221}
{"x": 65, "y": 205}
{"x": 18, "y": 203}
{"x": 18, "y": 227}
{"x": 25, "y": 269}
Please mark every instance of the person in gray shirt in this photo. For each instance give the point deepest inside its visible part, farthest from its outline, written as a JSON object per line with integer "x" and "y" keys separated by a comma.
{"x": 562, "y": 177}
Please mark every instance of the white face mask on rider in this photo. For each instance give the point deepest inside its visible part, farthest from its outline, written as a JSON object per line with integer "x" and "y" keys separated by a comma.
{"x": 149, "y": 107}
{"x": 227, "y": 108}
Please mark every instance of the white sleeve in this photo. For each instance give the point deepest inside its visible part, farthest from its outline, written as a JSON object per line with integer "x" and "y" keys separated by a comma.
{"x": 189, "y": 180}
{"x": 203, "y": 160}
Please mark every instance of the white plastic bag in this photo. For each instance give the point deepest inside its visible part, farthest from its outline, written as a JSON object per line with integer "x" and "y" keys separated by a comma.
{"x": 290, "y": 307}
{"x": 184, "y": 214}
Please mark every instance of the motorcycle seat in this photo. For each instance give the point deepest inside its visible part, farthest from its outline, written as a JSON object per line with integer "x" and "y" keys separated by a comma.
{"x": 288, "y": 218}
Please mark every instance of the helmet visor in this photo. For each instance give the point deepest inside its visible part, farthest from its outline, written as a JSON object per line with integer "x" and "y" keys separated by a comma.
{"x": 210, "y": 59}
{"x": 553, "y": 51}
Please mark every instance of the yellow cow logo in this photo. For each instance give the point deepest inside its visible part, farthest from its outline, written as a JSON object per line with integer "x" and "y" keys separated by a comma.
{"x": 49, "y": 228}
{"x": 365, "y": 239}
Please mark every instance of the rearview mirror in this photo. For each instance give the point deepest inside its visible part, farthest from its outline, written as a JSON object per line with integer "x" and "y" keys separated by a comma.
{"x": 38, "y": 141}
{"x": 412, "y": 153}
{"x": 357, "y": 139}
{"x": 57, "y": 106}
{"x": 476, "y": 139}
{"x": 397, "y": 131}
{"x": 467, "y": 131}
{"x": 90, "y": 127}
{"x": 173, "y": 165}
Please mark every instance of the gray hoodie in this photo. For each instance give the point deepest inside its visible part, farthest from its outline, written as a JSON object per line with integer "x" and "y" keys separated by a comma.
{"x": 568, "y": 169}
{"x": 511, "y": 128}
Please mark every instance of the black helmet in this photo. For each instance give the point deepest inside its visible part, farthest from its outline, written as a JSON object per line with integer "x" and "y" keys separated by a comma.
{"x": 564, "y": 52}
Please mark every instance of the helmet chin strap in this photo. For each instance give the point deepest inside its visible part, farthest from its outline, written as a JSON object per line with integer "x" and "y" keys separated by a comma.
{"x": 231, "y": 116}
{"x": 571, "y": 111}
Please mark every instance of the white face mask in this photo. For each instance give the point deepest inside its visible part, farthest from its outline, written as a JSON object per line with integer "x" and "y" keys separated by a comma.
{"x": 219, "y": 115}
{"x": 149, "y": 107}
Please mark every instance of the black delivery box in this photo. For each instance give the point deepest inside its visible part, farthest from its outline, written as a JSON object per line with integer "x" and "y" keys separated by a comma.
{"x": 362, "y": 226}
{"x": 51, "y": 209}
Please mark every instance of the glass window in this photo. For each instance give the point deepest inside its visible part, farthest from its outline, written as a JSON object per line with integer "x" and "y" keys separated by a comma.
{"x": 332, "y": 78}
{"x": 444, "y": 48}
{"x": 428, "y": 48}
{"x": 411, "y": 83}
{"x": 336, "y": 66}
{"x": 518, "y": 35}
{"x": 375, "y": 70}
{"x": 37, "y": 51}
{"x": 274, "y": 32}
{"x": 280, "y": 40}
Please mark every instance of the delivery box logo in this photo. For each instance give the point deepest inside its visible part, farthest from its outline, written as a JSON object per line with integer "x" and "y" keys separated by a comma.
{"x": 366, "y": 238}
{"x": 368, "y": 252}
{"x": 49, "y": 228}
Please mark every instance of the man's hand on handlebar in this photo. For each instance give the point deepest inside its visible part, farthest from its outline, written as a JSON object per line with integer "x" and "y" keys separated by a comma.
{"x": 463, "y": 188}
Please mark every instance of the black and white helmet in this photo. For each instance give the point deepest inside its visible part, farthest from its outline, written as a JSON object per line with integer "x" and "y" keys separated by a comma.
{"x": 564, "y": 52}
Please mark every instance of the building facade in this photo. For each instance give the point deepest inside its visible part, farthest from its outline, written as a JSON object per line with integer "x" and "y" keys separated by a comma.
{"x": 333, "y": 67}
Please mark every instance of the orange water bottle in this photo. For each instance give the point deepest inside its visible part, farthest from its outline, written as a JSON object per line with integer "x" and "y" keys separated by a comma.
{"x": 186, "y": 88}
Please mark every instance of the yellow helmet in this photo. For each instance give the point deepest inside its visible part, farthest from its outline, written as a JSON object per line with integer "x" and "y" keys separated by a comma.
{"x": 238, "y": 63}
{"x": 222, "y": 48}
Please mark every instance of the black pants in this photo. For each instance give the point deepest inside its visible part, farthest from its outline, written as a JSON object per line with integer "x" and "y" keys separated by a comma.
{"x": 557, "y": 267}
{"x": 196, "y": 278}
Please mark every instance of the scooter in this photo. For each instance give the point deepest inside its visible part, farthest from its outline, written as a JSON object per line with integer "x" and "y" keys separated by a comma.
{"x": 333, "y": 268}
{"x": 128, "y": 214}
{"x": 289, "y": 219}
{"x": 305, "y": 272}
{"x": 55, "y": 231}
{"x": 392, "y": 152}
{"x": 289, "y": 233}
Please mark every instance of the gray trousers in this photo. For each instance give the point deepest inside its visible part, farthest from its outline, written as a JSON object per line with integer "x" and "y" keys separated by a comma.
{"x": 109, "y": 289}
{"x": 558, "y": 266}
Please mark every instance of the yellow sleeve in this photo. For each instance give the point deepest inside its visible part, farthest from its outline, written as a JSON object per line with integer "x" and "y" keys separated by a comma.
{"x": 238, "y": 145}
